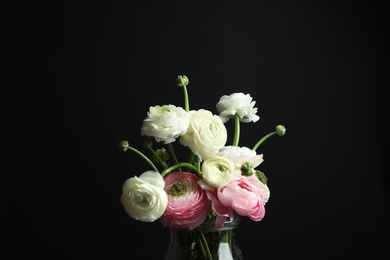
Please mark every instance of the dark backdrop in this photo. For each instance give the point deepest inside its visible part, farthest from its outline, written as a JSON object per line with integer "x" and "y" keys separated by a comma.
{"x": 79, "y": 77}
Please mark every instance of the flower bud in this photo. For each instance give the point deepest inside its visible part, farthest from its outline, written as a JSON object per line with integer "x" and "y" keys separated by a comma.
{"x": 182, "y": 80}
{"x": 124, "y": 145}
{"x": 148, "y": 143}
{"x": 197, "y": 159}
{"x": 280, "y": 130}
{"x": 261, "y": 176}
{"x": 247, "y": 169}
{"x": 162, "y": 154}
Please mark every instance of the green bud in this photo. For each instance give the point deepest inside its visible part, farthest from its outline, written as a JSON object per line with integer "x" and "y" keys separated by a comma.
{"x": 148, "y": 143}
{"x": 197, "y": 159}
{"x": 261, "y": 176}
{"x": 182, "y": 80}
{"x": 247, "y": 169}
{"x": 280, "y": 130}
{"x": 162, "y": 154}
{"x": 124, "y": 145}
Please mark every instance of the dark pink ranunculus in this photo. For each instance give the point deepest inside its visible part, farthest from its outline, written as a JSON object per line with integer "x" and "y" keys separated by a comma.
{"x": 188, "y": 204}
{"x": 244, "y": 197}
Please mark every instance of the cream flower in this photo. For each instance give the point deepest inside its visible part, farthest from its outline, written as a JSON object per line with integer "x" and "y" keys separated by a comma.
{"x": 143, "y": 197}
{"x": 218, "y": 171}
{"x": 206, "y": 134}
{"x": 240, "y": 104}
{"x": 165, "y": 123}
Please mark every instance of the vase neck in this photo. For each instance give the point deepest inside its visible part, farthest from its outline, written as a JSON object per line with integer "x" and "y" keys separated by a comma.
{"x": 229, "y": 224}
{"x": 205, "y": 242}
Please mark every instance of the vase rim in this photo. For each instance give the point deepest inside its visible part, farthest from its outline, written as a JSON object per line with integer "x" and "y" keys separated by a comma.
{"x": 229, "y": 224}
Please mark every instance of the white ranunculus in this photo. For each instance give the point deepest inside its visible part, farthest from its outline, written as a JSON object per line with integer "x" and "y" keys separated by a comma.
{"x": 165, "y": 123}
{"x": 240, "y": 104}
{"x": 206, "y": 134}
{"x": 218, "y": 171}
{"x": 143, "y": 197}
{"x": 241, "y": 155}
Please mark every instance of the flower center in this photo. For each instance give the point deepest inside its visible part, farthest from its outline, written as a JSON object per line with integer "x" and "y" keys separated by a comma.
{"x": 178, "y": 189}
{"x": 142, "y": 200}
{"x": 222, "y": 168}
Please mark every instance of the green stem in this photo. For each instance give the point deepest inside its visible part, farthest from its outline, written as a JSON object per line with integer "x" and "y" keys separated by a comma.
{"x": 197, "y": 164}
{"x": 172, "y": 153}
{"x": 144, "y": 157}
{"x": 236, "y": 130}
{"x": 186, "y": 101}
{"x": 173, "y": 167}
{"x": 192, "y": 157}
{"x": 263, "y": 139}
{"x": 200, "y": 244}
{"x": 206, "y": 249}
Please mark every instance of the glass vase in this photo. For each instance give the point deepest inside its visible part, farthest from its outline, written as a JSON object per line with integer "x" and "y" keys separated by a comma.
{"x": 205, "y": 242}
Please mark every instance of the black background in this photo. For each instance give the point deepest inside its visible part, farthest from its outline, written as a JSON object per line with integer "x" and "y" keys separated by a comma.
{"x": 79, "y": 77}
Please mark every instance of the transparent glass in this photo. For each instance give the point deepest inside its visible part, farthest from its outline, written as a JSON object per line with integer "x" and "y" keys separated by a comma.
{"x": 205, "y": 242}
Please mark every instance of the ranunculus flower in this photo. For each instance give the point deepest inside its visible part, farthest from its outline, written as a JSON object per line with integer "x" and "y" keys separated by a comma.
{"x": 143, "y": 197}
{"x": 218, "y": 171}
{"x": 246, "y": 196}
{"x": 165, "y": 123}
{"x": 206, "y": 134}
{"x": 188, "y": 205}
{"x": 261, "y": 187}
{"x": 240, "y": 104}
{"x": 241, "y": 155}
{"x": 221, "y": 211}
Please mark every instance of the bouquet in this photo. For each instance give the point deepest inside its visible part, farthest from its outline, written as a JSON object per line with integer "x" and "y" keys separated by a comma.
{"x": 215, "y": 182}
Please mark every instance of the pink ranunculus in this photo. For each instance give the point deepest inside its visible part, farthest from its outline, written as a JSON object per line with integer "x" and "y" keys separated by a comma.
{"x": 261, "y": 187}
{"x": 188, "y": 204}
{"x": 221, "y": 211}
{"x": 244, "y": 197}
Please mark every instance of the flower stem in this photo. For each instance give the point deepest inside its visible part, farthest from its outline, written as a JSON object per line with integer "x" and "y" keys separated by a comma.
{"x": 173, "y": 167}
{"x": 263, "y": 139}
{"x": 236, "y": 130}
{"x": 144, "y": 157}
{"x": 197, "y": 162}
{"x": 182, "y": 81}
{"x": 279, "y": 130}
{"x": 200, "y": 244}
{"x": 192, "y": 157}
{"x": 205, "y": 247}
{"x": 172, "y": 153}
{"x": 186, "y": 101}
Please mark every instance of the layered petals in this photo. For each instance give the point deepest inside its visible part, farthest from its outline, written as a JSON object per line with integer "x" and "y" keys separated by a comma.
{"x": 206, "y": 134}
{"x": 143, "y": 197}
{"x": 188, "y": 204}
{"x": 244, "y": 197}
{"x": 165, "y": 123}
{"x": 240, "y": 104}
